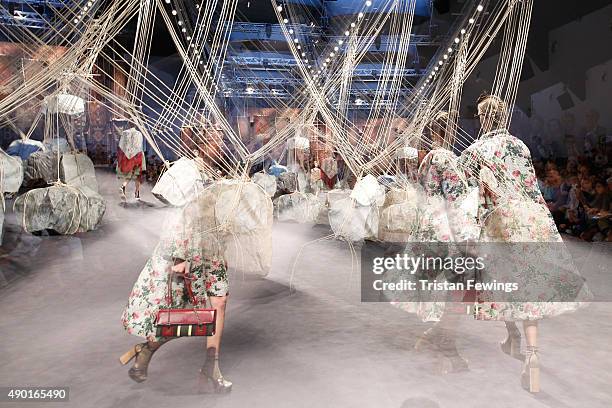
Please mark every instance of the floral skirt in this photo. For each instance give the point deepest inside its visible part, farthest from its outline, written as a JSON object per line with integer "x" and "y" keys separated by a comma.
{"x": 149, "y": 292}
{"x": 522, "y": 245}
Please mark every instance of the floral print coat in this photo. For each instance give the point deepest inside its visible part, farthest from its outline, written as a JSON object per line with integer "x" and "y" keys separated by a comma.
{"x": 184, "y": 240}
{"x": 513, "y": 214}
{"x": 447, "y": 200}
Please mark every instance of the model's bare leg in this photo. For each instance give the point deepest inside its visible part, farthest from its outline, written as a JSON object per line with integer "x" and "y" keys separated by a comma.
{"x": 219, "y": 303}
{"x": 123, "y": 186}
{"x": 213, "y": 346}
{"x": 531, "y": 332}
{"x": 530, "y": 377}
{"x": 137, "y": 183}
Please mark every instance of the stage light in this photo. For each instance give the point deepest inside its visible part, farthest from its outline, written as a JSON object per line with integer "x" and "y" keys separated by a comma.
{"x": 360, "y": 16}
{"x": 174, "y": 12}
{"x": 279, "y": 8}
{"x": 472, "y": 21}
{"x": 462, "y": 31}
{"x": 368, "y": 3}
{"x": 480, "y": 8}
{"x": 457, "y": 40}
{"x": 347, "y": 33}
{"x": 285, "y": 21}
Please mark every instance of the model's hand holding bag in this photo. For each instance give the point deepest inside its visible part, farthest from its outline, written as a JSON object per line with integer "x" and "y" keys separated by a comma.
{"x": 171, "y": 322}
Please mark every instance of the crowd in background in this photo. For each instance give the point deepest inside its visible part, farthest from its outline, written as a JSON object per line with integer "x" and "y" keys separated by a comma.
{"x": 578, "y": 190}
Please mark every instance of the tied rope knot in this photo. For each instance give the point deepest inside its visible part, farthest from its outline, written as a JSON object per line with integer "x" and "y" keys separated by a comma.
{"x": 225, "y": 227}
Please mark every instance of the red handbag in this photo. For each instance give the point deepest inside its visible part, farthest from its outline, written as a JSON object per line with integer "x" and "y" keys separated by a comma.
{"x": 185, "y": 322}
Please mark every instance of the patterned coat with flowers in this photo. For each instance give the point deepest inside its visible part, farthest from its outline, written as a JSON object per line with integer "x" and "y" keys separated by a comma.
{"x": 446, "y": 203}
{"x": 523, "y": 245}
{"x": 148, "y": 295}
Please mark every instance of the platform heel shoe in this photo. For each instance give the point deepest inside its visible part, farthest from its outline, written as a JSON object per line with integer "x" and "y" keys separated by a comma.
{"x": 142, "y": 353}
{"x": 442, "y": 343}
{"x": 530, "y": 377}
{"x": 212, "y": 372}
{"x": 122, "y": 192}
{"x": 512, "y": 345}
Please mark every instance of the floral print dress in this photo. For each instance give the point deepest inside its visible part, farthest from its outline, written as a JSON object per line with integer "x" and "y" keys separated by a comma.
{"x": 184, "y": 240}
{"x": 523, "y": 243}
{"x": 446, "y": 202}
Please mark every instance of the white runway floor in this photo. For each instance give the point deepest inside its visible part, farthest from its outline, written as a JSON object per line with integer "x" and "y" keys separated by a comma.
{"x": 62, "y": 297}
